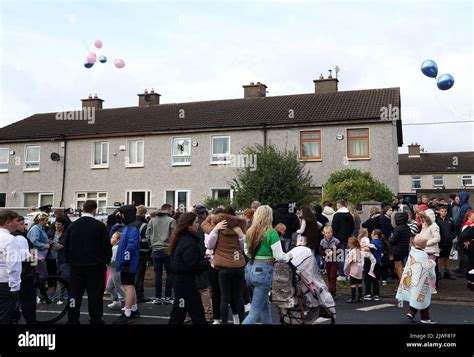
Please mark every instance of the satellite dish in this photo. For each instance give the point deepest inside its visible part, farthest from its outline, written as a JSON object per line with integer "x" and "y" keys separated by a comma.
{"x": 55, "y": 156}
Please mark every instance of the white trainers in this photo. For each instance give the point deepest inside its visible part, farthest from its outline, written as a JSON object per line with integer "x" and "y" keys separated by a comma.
{"x": 236, "y": 319}
{"x": 368, "y": 297}
{"x": 341, "y": 278}
{"x": 428, "y": 322}
{"x": 60, "y": 302}
{"x": 216, "y": 322}
{"x": 116, "y": 305}
{"x": 434, "y": 291}
{"x": 247, "y": 307}
{"x": 384, "y": 282}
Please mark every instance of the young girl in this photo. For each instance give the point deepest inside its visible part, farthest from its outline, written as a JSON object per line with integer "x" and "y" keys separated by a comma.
{"x": 353, "y": 268}
{"x": 114, "y": 285}
{"x": 369, "y": 262}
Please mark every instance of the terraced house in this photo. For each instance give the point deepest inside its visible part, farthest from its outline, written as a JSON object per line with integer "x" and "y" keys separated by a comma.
{"x": 180, "y": 153}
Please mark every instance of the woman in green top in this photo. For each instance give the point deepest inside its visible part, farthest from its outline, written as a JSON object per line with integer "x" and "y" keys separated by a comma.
{"x": 263, "y": 247}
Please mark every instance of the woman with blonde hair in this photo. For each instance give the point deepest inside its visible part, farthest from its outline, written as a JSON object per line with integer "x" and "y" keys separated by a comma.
{"x": 263, "y": 247}
{"x": 38, "y": 236}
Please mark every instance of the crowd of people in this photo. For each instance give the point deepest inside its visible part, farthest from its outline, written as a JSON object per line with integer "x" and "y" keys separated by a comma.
{"x": 210, "y": 261}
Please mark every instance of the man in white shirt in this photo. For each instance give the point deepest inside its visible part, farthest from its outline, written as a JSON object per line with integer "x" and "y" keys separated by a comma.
{"x": 10, "y": 266}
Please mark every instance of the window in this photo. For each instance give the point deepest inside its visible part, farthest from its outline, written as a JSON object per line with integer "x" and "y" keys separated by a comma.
{"x": 138, "y": 198}
{"x": 358, "y": 143}
{"x": 415, "y": 182}
{"x": 310, "y": 145}
{"x": 101, "y": 154}
{"x": 467, "y": 180}
{"x": 4, "y": 159}
{"x": 99, "y": 197}
{"x": 222, "y": 193}
{"x": 37, "y": 199}
{"x": 32, "y": 158}
{"x": 135, "y": 153}
{"x": 181, "y": 151}
{"x": 220, "y": 149}
{"x": 3, "y": 199}
{"x": 179, "y": 199}
{"x": 438, "y": 180}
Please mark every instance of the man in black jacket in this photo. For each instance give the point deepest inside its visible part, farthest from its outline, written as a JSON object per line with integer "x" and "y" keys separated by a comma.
{"x": 87, "y": 250}
{"x": 145, "y": 254}
{"x": 447, "y": 232}
{"x": 342, "y": 227}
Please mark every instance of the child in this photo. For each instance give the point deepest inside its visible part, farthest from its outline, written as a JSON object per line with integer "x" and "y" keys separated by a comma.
{"x": 372, "y": 284}
{"x": 114, "y": 285}
{"x": 414, "y": 286}
{"x": 369, "y": 261}
{"x": 353, "y": 268}
{"x": 328, "y": 248}
{"x": 281, "y": 230}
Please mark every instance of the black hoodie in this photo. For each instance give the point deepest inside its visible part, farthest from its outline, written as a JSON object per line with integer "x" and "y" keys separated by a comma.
{"x": 400, "y": 239}
{"x": 282, "y": 214}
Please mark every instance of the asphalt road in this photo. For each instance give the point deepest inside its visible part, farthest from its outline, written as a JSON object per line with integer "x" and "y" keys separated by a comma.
{"x": 384, "y": 311}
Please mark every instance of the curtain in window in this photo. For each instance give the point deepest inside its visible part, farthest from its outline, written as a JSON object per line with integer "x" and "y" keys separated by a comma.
{"x": 132, "y": 152}
{"x": 358, "y": 148}
{"x": 32, "y": 154}
{"x": 310, "y": 149}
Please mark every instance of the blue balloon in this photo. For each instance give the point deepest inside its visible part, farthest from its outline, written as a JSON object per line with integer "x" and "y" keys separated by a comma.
{"x": 445, "y": 81}
{"x": 102, "y": 59}
{"x": 429, "y": 68}
{"x": 88, "y": 65}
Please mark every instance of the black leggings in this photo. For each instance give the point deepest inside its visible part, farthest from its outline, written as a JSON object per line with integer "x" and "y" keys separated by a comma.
{"x": 186, "y": 300}
{"x": 371, "y": 284}
{"x": 231, "y": 281}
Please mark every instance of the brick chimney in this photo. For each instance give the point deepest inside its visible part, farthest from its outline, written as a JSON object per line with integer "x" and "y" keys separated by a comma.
{"x": 327, "y": 85}
{"x": 92, "y": 102}
{"x": 148, "y": 98}
{"x": 252, "y": 90}
{"x": 414, "y": 150}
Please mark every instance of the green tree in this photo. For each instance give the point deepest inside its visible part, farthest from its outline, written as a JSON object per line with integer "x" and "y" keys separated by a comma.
{"x": 355, "y": 186}
{"x": 211, "y": 202}
{"x": 278, "y": 176}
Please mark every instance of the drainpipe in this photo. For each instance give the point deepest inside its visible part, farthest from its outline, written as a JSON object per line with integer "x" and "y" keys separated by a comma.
{"x": 61, "y": 204}
{"x": 264, "y": 126}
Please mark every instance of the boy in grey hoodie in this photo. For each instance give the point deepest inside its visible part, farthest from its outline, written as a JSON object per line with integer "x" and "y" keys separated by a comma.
{"x": 159, "y": 232}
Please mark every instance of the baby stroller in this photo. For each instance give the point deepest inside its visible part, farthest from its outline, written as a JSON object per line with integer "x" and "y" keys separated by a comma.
{"x": 299, "y": 292}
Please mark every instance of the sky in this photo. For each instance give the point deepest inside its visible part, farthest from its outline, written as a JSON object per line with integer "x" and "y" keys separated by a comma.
{"x": 206, "y": 50}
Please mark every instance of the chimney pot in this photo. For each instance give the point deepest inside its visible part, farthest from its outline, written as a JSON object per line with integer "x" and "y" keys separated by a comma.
{"x": 328, "y": 85}
{"x": 148, "y": 98}
{"x": 252, "y": 90}
{"x": 414, "y": 150}
{"x": 92, "y": 102}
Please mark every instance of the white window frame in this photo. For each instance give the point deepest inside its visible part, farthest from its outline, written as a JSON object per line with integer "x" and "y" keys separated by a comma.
{"x": 175, "y": 203}
{"x": 138, "y": 164}
{"x": 8, "y": 159}
{"x": 348, "y": 148}
{"x": 39, "y": 195}
{"x": 77, "y": 193}
{"x": 222, "y": 188}
{"x": 467, "y": 177}
{"x": 32, "y": 162}
{"x": 421, "y": 180}
{"x": 173, "y": 163}
{"x": 438, "y": 184}
{"x": 128, "y": 197}
{"x": 101, "y": 165}
{"x": 219, "y": 162}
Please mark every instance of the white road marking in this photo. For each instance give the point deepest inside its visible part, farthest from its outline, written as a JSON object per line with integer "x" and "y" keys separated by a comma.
{"x": 375, "y": 307}
{"x": 320, "y": 320}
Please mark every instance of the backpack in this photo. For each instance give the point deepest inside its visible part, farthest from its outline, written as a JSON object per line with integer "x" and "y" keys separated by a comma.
{"x": 283, "y": 291}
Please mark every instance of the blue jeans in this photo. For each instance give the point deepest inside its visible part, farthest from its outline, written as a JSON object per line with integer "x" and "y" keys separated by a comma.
{"x": 160, "y": 260}
{"x": 258, "y": 276}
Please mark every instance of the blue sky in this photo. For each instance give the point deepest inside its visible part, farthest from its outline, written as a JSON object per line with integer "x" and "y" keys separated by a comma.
{"x": 201, "y": 50}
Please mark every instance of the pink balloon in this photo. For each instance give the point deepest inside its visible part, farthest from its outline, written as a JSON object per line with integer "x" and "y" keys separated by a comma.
{"x": 91, "y": 57}
{"x": 98, "y": 43}
{"x": 119, "y": 63}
